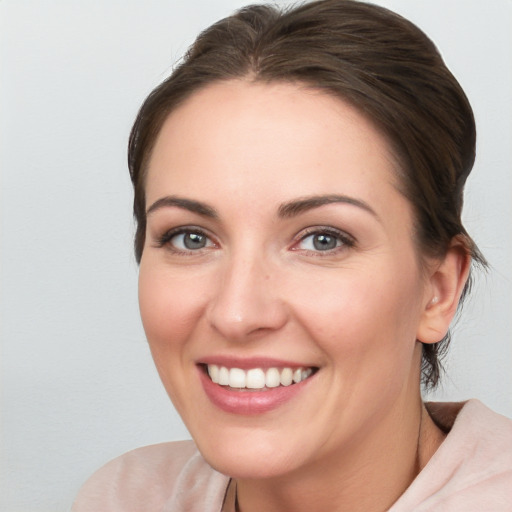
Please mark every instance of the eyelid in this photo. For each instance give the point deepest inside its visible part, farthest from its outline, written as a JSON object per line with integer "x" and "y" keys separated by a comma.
{"x": 164, "y": 239}
{"x": 347, "y": 240}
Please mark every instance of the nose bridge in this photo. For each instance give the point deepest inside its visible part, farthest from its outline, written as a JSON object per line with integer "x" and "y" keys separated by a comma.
{"x": 247, "y": 299}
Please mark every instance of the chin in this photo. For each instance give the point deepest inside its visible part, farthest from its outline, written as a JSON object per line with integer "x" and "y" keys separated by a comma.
{"x": 251, "y": 458}
{"x": 243, "y": 467}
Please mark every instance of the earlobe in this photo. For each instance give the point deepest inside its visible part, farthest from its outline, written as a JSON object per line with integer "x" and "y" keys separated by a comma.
{"x": 443, "y": 292}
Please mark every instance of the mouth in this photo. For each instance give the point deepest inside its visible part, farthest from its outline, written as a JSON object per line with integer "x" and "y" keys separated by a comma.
{"x": 257, "y": 379}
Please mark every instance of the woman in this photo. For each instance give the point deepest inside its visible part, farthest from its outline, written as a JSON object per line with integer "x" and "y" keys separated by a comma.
{"x": 298, "y": 192}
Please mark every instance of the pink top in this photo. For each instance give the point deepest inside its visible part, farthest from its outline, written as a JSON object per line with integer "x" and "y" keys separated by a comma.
{"x": 471, "y": 472}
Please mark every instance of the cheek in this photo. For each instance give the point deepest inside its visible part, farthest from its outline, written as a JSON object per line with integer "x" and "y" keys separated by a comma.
{"x": 170, "y": 308}
{"x": 360, "y": 315}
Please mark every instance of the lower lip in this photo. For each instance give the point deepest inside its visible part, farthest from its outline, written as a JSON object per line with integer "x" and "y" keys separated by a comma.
{"x": 249, "y": 402}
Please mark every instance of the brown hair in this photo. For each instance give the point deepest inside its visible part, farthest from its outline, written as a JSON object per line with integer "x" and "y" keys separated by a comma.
{"x": 366, "y": 55}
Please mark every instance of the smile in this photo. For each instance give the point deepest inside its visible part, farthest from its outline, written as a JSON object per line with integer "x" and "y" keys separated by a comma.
{"x": 257, "y": 378}
{"x": 260, "y": 386}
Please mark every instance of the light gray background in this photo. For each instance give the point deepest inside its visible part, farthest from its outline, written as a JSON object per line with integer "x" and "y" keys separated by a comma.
{"x": 78, "y": 386}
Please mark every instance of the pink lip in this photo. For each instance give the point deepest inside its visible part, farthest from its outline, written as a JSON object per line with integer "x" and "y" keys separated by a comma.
{"x": 248, "y": 402}
{"x": 251, "y": 362}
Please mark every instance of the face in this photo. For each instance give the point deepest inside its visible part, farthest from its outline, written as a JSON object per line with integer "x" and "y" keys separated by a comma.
{"x": 279, "y": 258}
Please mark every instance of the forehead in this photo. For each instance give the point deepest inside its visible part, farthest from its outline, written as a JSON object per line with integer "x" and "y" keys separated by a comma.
{"x": 237, "y": 130}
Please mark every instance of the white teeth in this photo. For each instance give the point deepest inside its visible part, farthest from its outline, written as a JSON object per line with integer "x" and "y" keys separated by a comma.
{"x": 213, "y": 372}
{"x": 236, "y": 378}
{"x": 272, "y": 378}
{"x": 257, "y": 378}
{"x": 286, "y": 376}
{"x": 223, "y": 376}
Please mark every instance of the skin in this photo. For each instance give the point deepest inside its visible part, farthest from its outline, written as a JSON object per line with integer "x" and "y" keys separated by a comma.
{"x": 260, "y": 288}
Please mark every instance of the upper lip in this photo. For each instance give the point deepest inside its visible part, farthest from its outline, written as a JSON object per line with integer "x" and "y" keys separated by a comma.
{"x": 247, "y": 363}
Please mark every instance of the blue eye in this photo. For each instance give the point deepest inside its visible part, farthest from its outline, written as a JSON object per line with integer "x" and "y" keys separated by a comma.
{"x": 323, "y": 241}
{"x": 185, "y": 240}
{"x": 190, "y": 241}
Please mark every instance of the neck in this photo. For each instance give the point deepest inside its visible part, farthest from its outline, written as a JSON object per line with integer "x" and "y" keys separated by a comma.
{"x": 370, "y": 475}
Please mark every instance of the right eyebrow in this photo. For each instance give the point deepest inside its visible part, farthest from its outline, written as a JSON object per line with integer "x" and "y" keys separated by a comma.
{"x": 186, "y": 204}
{"x": 296, "y": 207}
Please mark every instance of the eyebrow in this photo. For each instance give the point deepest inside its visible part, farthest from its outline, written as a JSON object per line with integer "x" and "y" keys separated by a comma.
{"x": 187, "y": 204}
{"x": 286, "y": 210}
{"x": 298, "y": 206}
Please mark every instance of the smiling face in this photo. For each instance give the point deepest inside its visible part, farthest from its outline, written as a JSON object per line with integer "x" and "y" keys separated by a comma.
{"x": 278, "y": 246}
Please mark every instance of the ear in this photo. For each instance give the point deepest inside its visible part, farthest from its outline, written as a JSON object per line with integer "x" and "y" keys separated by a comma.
{"x": 442, "y": 293}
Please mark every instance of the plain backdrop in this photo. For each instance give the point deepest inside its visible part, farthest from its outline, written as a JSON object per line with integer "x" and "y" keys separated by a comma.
{"x": 78, "y": 385}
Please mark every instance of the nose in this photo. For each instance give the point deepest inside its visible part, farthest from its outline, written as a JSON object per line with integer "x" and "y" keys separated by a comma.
{"x": 248, "y": 300}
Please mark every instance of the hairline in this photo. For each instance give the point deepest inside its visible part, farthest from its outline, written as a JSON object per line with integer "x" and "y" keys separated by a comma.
{"x": 253, "y": 77}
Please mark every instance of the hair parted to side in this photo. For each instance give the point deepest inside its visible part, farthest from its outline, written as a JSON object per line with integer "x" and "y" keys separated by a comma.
{"x": 366, "y": 55}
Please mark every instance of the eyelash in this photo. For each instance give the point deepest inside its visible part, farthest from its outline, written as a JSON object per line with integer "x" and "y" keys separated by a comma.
{"x": 346, "y": 241}
{"x": 165, "y": 239}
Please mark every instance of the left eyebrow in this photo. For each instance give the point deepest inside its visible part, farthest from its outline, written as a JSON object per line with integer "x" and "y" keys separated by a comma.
{"x": 185, "y": 204}
{"x": 298, "y": 206}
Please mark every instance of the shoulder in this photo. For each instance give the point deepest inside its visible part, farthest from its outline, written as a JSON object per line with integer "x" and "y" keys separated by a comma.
{"x": 471, "y": 470}
{"x": 487, "y": 433}
{"x": 154, "y": 478}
